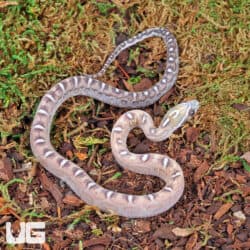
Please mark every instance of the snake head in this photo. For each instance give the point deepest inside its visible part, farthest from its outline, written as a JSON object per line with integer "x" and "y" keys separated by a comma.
{"x": 182, "y": 112}
{"x": 177, "y": 116}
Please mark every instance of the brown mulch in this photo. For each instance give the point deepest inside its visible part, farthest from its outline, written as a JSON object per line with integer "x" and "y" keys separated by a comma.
{"x": 214, "y": 211}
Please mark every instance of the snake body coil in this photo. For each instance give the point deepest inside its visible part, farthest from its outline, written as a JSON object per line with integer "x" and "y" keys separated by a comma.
{"x": 153, "y": 164}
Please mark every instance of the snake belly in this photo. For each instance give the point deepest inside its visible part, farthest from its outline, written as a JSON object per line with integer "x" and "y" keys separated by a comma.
{"x": 77, "y": 179}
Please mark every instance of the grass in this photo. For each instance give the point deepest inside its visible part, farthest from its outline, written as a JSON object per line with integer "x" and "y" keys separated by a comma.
{"x": 41, "y": 44}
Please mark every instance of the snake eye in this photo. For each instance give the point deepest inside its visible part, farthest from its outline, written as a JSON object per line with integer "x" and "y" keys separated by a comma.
{"x": 191, "y": 112}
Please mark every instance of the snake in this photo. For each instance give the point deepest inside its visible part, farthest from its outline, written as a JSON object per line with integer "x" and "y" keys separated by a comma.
{"x": 162, "y": 166}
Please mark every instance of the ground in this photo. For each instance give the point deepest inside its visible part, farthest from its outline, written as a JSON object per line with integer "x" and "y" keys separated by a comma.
{"x": 43, "y": 42}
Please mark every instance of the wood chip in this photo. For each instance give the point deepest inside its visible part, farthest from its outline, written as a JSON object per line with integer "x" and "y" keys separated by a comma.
{"x": 184, "y": 155}
{"x": 123, "y": 57}
{"x": 192, "y": 134}
{"x": 245, "y": 191}
{"x": 191, "y": 241}
{"x": 72, "y": 200}
{"x": 4, "y": 219}
{"x": 239, "y": 245}
{"x": 45, "y": 203}
{"x": 62, "y": 244}
{"x": 128, "y": 86}
{"x": 51, "y": 187}
{"x": 201, "y": 171}
{"x": 141, "y": 148}
{"x": 241, "y": 107}
{"x": 143, "y": 85}
{"x": 166, "y": 96}
{"x": 6, "y": 170}
{"x": 46, "y": 246}
{"x": 104, "y": 240}
{"x": 164, "y": 232}
{"x": 230, "y": 229}
{"x": 81, "y": 156}
{"x": 223, "y": 210}
{"x": 142, "y": 226}
{"x": 239, "y": 215}
{"x": 7, "y": 210}
{"x": 182, "y": 232}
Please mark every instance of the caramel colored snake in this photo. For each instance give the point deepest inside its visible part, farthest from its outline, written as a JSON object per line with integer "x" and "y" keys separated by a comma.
{"x": 164, "y": 167}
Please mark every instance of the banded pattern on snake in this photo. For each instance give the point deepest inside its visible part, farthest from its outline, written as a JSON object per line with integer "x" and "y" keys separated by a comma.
{"x": 81, "y": 183}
